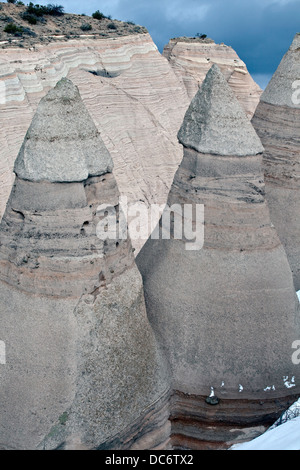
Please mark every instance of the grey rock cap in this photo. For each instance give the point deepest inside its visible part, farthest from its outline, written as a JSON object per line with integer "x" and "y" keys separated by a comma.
{"x": 62, "y": 143}
{"x": 215, "y": 122}
{"x": 282, "y": 89}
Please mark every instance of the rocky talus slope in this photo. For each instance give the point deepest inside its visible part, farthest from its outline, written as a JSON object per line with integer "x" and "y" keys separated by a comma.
{"x": 277, "y": 122}
{"x": 226, "y": 313}
{"x": 191, "y": 58}
{"x": 83, "y": 369}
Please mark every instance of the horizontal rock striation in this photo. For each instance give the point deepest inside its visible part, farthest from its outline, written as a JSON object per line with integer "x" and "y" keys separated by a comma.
{"x": 277, "y": 122}
{"x": 226, "y": 314}
{"x": 83, "y": 367}
{"x": 191, "y": 59}
{"x": 198, "y": 425}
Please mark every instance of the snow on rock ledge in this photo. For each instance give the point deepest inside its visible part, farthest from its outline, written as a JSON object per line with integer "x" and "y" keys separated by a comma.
{"x": 284, "y": 437}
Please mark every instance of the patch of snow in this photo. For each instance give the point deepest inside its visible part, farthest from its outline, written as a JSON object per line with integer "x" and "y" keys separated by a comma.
{"x": 283, "y": 437}
{"x": 298, "y": 293}
{"x": 241, "y": 388}
{"x": 289, "y": 384}
{"x": 267, "y": 389}
{"x": 291, "y": 413}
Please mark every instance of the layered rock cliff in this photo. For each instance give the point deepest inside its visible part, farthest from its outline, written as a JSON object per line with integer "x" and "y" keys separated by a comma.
{"x": 134, "y": 95}
{"x": 191, "y": 58}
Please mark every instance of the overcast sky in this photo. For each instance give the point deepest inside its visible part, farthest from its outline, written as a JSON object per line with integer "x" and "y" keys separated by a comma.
{"x": 260, "y": 31}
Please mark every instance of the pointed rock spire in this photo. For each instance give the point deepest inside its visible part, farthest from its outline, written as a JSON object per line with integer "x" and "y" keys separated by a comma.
{"x": 277, "y": 122}
{"x": 62, "y": 143}
{"x": 280, "y": 89}
{"x": 215, "y": 122}
{"x": 83, "y": 368}
{"x": 226, "y": 315}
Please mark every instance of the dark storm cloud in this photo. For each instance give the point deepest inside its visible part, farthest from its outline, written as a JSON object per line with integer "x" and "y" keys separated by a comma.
{"x": 259, "y": 30}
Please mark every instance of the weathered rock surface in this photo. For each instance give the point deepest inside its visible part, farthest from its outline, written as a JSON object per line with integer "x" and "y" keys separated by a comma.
{"x": 131, "y": 92}
{"x": 214, "y": 115}
{"x": 226, "y": 315}
{"x": 76, "y": 151}
{"x": 277, "y": 122}
{"x": 83, "y": 369}
{"x": 192, "y": 58}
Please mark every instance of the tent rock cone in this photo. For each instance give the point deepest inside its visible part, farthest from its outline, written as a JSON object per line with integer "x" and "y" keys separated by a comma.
{"x": 83, "y": 369}
{"x": 277, "y": 122}
{"x": 226, "y": 315}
